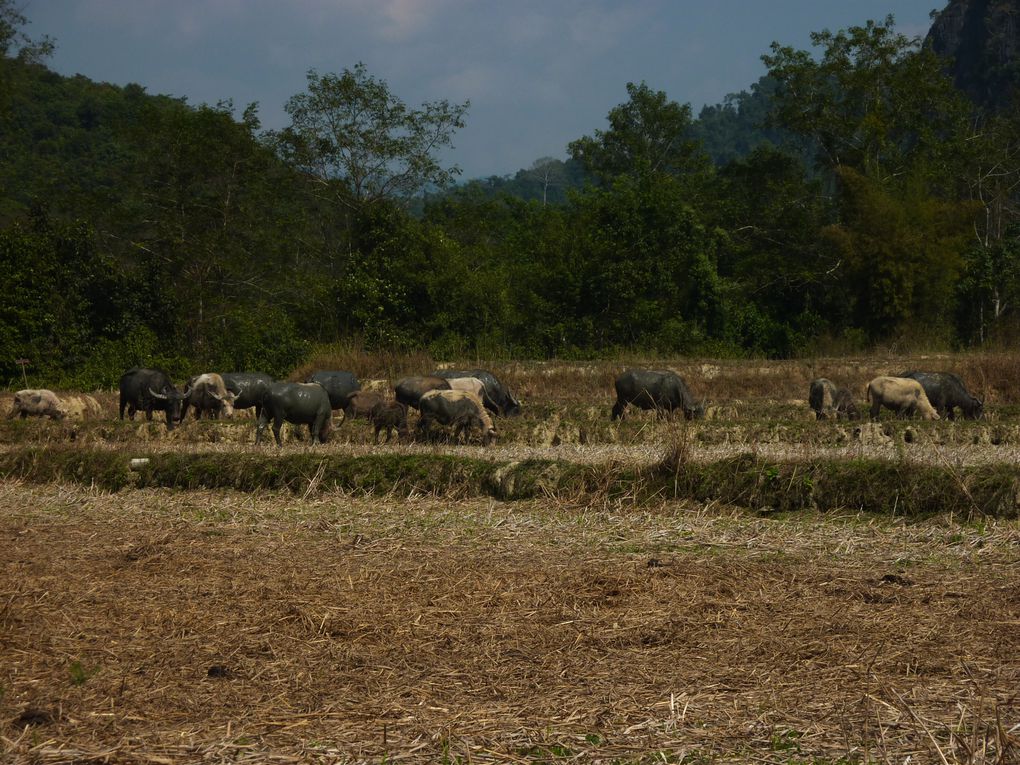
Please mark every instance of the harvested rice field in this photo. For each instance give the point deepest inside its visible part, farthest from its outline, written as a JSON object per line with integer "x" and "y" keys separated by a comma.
{"x": 163, "y": 626}
{"x": 756, "y": 587}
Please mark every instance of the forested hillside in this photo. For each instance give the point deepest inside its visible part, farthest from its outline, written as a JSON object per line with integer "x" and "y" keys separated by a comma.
{"x": 875, "y": 206}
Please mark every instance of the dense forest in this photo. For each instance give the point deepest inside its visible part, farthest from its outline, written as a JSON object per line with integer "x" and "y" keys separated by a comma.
{"x": 853, "y": 198}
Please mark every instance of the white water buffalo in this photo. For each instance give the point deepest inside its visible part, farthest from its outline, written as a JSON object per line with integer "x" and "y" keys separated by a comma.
{"x": 470, "y": 384}
{"x": 209, "y": 395}
{"x": 904, "y": 396}
{"x": 37, "y": 403}
{"x": 459, "y": 409}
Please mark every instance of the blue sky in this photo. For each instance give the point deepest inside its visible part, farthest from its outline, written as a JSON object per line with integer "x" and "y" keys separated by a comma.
{"x": 538, "y": 73}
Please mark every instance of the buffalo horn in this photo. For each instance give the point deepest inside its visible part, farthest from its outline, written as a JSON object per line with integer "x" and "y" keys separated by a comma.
{"x": 157, "y": 395}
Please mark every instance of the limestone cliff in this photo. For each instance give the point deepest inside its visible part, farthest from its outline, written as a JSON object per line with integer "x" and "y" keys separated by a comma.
{"x": 982, "y": 40}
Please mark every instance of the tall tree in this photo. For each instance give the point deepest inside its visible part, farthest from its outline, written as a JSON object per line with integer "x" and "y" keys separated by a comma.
{"x": 647, "y": 134}
{"x": 874, "y": 100}
{"x": 352, "y": 130}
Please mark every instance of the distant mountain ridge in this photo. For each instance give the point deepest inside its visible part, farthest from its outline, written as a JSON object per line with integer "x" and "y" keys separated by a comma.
{"x": 982, "y": 38}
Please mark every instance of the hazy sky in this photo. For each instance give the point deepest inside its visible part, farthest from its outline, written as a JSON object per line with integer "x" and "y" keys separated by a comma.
{"x": 538, "y": 73}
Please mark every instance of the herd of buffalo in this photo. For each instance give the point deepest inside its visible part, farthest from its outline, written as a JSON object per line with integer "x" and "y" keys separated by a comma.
{"x": 463, "y": 401}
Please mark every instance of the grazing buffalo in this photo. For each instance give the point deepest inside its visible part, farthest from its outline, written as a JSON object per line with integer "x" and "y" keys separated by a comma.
{"x": 37, "y": 403}
{"x": 497, "y": 397}
{"x": 844, "y": 405}
{"x": 458, "y": 409}
{"x": 827, "y": 400}
{"x": 249, "y": 388}
{"x": 362, "y": 403}
{"x": 903, "y": 395}
{"x": 298, "y": 403}
{"x": 665, "y": 392}
{"x": 339, "y": 385}
{"x": 389, "y": 415}
{"x": 149, "y": 389}
{"x": 409, "y": 390}
{"x": 209, "y": 395}
{"x": 470, "y": 384}
{"x": 946, "y": 391}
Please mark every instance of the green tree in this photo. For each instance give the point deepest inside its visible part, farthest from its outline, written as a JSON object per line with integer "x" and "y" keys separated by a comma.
{"x": 874, "y": 100}
{"x": 350, "y": 129}
{"x": 647, "y": 134}
{"x": 904, "y": 255}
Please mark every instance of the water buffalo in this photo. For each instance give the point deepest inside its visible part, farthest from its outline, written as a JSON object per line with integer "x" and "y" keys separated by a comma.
{"x": 37, "y": 403}
{"x": 361, "y": 404}
{"x": 497, "y": 397}
{"x": 844, "y": 406}
{"x": 458, "y": 409}
{"x": 470, "y": 384}
{"x": 946, "y": 391}
{"x": 149, "y": 389}
{"x": 298, "y": 403}
{"x": 827, "y": 400}
{"x": 665, "y": 392}
{"x": 903, "y": 395}
{"x": 249, "y": 388}
{"x": 409, "y": 390}
{"x": 339, "y": 385}
{"x": 389, "y": 415}
{"x": 209, "y": 395}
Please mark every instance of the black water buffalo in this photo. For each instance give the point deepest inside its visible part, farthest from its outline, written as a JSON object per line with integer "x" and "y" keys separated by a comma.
{"x": 148, "y": 389}
{"x": 299, "y": 403}
{"x": 249, "y": 388}
{"x": 665, "y": 392}
{"x": 339, "y": 385}
{"x": 946, "y": 391}
{"x": 497, "y": 399}
{"x": 409, "y": 390}
{"x": 827, "y": 400}
{"x": 461, "y": 410}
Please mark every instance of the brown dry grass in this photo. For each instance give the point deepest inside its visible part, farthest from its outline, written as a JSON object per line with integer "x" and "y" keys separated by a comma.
{"x": 150, "y": 626}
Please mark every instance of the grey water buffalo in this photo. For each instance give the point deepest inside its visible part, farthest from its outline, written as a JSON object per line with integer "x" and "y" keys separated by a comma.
{"x": 209, "y": 395}
{"x": 497, "y": 397}
{"x": 829, "y": 401}
{"x": 340, "y": 386}
{"x": 249, "y": 388}
{"x": 945, "y": 392}
{"x": 37, "y": 402}
{"x": 148, "y": 390}
{"x": 461, "y": 410}
{"x": 903, "y": 395}
{"x": 389, "y": 416}
{"x": 844, "y": 406}
{"x": 298, "y": 403}
{"x": 663, "y": 391}
{"x": 409, "y": 390}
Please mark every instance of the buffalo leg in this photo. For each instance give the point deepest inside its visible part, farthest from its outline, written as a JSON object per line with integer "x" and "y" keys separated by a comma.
{"x": 875, "y": 406}
{"x": 618, "y": 408}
